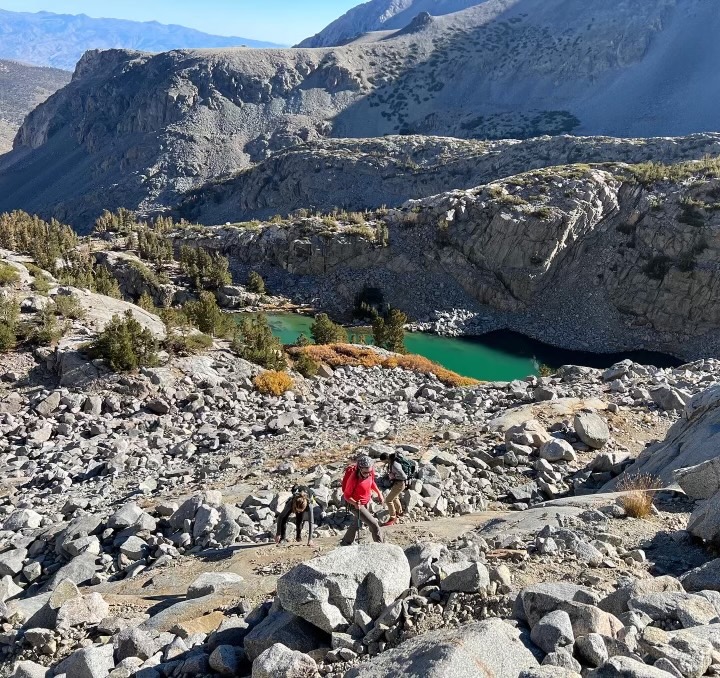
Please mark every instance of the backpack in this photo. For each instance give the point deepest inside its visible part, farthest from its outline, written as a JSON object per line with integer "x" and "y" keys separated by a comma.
{"x": 409, "y": 466}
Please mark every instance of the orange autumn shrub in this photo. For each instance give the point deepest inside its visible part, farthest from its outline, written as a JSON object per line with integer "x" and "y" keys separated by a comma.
{"x": 340, "y": 355}
{"x": 273, "y": 383}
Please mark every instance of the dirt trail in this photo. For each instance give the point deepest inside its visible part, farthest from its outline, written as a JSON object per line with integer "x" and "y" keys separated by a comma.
{"x": 262, "y": 564}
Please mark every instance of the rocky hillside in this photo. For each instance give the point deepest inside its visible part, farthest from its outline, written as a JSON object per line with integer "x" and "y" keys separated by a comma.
{"x": 137, "y": 511}
{"x": 381, "y": 15}
{"x": 172, "y": 121}
{"x": 600, "y": 258}
{"x": 59, "y": 40}
{"x": 22, "y": 88}
{"x": 360, "y": 174}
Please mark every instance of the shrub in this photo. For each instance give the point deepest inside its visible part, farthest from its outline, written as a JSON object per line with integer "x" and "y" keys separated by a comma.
{"x": 543, "y": 213}
{"x": 306, "y": 366}
{"x": 254, "y": 341}
{"x": 255, "y": 283}
{"x": 188, "y": 344}
{"x": 106, "y": 283}
{"x": 273, "y": 383}
{"x": 69, "y": 306}
{"x": 146, "y": 303}
{"x": 339, "y": 355}
{"x": 9, "y": 315}
{"x": 639, "y": 492}
{"x": 8, "y": 274}
{"x": 302, "y": 340}
{"x": 325, "y": 331}
{"x": 207, "y": 316}
{"x": 125, "y": 344}
{"x": 389, "y": 332}
{"x": 41, "y": 284}
{"x": 545, "y": 370}
{"x": 49, "y": 331}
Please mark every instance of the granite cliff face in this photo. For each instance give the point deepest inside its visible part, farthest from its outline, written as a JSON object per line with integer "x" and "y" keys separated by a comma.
{"x": 138, "y": 130}
{"x": 583, "y": 257}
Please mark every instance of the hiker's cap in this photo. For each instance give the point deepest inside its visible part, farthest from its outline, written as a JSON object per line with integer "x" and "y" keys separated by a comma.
{"x": 364, "y": 461}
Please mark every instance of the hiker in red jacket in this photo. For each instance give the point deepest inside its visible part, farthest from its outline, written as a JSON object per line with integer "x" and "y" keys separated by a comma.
{"x": 358, "y": 486}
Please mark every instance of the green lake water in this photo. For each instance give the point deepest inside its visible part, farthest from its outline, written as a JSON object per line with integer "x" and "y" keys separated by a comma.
{"x": 498, "y": 356}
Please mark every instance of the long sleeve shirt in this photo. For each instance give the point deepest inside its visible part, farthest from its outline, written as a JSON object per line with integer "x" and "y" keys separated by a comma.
{"x": 359, "y": 489}
{"x": 396, "y": 473}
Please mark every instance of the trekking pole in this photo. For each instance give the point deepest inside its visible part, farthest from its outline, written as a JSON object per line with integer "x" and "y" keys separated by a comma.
{"x": 358, "y": 527}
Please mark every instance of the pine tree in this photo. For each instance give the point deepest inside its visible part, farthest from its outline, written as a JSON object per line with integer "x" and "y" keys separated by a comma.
{"x": 125, "y": 344}
{"x": 255, "y": 283}
{"x": 389, "y": 332}
{"x": 325, "y": 331}
{"x": 207, "y": 316}
{"x": 254, "y": 341}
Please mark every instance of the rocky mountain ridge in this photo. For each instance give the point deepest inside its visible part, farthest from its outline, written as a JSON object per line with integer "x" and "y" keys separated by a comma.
{"x": 22, "y": 88}
{"x": 179, "y": 119}
{"x": 59, "y": 40}
{"x": 361, "y": 174}
{"x": 381, "y": 15}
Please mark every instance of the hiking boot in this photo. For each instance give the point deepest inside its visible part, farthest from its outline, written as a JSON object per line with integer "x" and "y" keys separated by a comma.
{"x": 392, "y": 521}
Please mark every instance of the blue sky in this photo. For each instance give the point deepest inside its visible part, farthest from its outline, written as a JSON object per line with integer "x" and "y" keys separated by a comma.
{"x": 283, "y": 21}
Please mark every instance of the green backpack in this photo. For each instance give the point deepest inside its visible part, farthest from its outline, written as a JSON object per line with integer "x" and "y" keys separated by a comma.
{"x": 409, "y": 467}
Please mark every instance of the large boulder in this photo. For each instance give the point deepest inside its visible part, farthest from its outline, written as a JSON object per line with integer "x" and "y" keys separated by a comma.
{"x": 534, "y": 602}
{"x": 625, "y": 667}
{"x": 617, "y": 602}
{"x": 90, "y": 662}
{"x": 669, "y": 398}
{"x": 486, "y": 648}
{"x": 281, "y": 626}
{"x": 692, "y": 440}
{"x": 327, "y": 591}
{"x": 703, "y": 578}
{"x": 701, "y": 481}
{"x": 279, "y": 660}
{"x": 705, "y": 520}
{"x": 591, "y": 429}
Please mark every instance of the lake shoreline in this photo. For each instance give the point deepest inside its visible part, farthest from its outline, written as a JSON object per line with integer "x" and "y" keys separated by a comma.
{"x": 497, "y": 355}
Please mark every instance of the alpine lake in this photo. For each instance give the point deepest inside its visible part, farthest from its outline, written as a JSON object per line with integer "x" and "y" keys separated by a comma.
{"x": 498, "y": 356}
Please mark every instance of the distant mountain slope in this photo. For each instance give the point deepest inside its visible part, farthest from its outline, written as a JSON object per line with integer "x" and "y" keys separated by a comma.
{"x": 140, "y": 130}
{"x": 59, "y": 40}
{"x": 22, "y": 87}
{"x": 381, "y": 15}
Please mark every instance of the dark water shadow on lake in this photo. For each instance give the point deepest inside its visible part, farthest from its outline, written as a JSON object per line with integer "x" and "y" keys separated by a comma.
{"x": 519, "y": 345}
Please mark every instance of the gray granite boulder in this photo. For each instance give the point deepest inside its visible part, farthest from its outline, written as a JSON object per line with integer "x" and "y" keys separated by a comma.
{"x": 327, "y": 591}
{"x": 487, "y": 648}
{"x": 591, "y": 429}
{"x": 279, "y": 660}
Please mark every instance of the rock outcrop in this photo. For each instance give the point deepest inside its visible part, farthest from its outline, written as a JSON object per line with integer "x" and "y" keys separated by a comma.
{"x": 515, "y": 252}
{"x": 22, "y": 88}
{"x": 360, "y": 174}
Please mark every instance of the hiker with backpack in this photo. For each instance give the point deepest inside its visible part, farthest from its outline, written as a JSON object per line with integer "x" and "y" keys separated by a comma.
{"x": 301, "y": 505}
{"x": 358, "y": 486}
{"x": 399, "y": 472}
